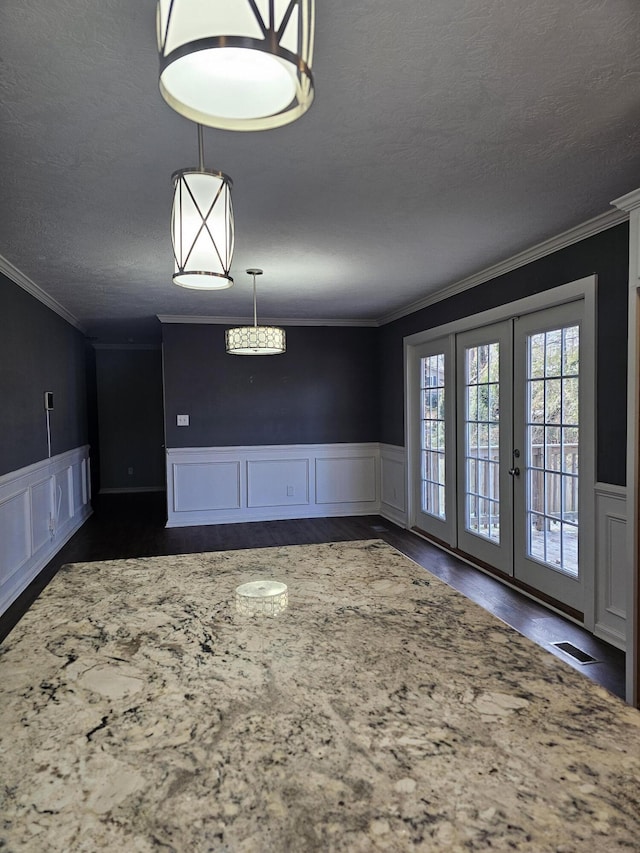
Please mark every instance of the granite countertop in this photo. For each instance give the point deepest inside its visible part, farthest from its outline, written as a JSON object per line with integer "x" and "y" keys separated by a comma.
{"x": 381, "y": 710}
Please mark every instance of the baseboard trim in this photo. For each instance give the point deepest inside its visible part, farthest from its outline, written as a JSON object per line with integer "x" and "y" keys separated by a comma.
{"x": 609, "y": 635}
{"x": 279, "y": 514}
{"x": 391, "y": 513}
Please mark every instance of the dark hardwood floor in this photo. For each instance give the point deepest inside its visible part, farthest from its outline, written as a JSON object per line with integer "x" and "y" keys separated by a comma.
{"x": 133, "y": 526}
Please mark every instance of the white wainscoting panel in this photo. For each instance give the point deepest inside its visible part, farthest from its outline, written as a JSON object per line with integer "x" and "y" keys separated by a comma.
{"x": 346, "y": 479}
{"x": 612, "y": 564}
{"x": 277, "y": 482}
{"x": 207, "y": 486}
{"x": 271, "y": 482}
{"x": 42, "y": 501}
{"x": 393, "y": 479}
{"x": 15, "y": 526}
{"x": 76, "y": 488}
{"x": 64, "y": 497}
{"x": 84, "y": 478}
{"x": 41, "y": 507}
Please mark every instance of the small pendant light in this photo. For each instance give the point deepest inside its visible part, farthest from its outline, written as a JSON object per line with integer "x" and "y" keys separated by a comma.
{"x": 255, "y": 340}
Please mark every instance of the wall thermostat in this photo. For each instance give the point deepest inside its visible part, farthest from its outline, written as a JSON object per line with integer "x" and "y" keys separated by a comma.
{"x": 48, "y": 400}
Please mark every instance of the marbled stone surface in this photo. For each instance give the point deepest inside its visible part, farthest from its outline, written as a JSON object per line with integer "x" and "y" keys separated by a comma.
{"x": 381, "y": 711}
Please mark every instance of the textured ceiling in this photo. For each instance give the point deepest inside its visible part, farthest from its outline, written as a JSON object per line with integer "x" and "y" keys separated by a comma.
{"x": 445, "y": 136}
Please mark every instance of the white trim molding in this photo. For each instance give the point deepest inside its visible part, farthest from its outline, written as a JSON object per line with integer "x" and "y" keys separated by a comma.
{"x": 41, "y": 507}
{"x": 612, "y": 564}
{"x": 17, "y": 277}
{"x": 593, "y": 226}
{"x": 590, "y": 228}
{"x": 267, "y": 321}
{"x": 574, "y": 235}
{"x": 587, "y": 229}
{"x": 222, "y": 485}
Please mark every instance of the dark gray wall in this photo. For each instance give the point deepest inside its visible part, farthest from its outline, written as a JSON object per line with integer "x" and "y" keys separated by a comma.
{"x": 39, "y": 351}
{"x": 130, "y": 424}
{"x": 607, "y": 255}
{"x": 322, "y": 390}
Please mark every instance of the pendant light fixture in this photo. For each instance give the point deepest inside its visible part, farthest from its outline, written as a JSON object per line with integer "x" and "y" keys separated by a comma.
{"x": 202, "y": 229}
{"x": 255, "y": 340}
{"x": 237, "y": 64}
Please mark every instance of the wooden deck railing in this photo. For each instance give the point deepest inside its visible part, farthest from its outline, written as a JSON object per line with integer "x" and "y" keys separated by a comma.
{"x": 488, "y": 479}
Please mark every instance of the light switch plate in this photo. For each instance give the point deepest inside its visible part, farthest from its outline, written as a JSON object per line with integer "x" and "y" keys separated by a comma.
{"x": 183, "y": 420}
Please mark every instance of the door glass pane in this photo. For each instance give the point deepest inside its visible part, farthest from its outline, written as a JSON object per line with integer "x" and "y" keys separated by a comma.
{"x": 432, "y": 393}
{"x": 552, "y": 448}
{"x": 482, "y": 441}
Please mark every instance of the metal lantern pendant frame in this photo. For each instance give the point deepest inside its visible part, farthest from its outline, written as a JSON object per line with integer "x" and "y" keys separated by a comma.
{"x": 255, "y": 340}
{"x": 202, "y": 226}
{"x": 263, "y": 49}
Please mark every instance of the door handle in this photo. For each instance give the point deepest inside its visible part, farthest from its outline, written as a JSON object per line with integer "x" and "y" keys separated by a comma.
{"x": 515, "y": 472}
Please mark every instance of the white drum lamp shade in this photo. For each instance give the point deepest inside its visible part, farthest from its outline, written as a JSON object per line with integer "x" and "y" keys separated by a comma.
{"x": 255, "y": 340}
{"x": 236, "y": 64}
{"x": 202, "y": 229}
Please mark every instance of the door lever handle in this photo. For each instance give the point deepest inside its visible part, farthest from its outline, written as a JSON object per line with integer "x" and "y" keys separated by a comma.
{"x": 515, "y": 472}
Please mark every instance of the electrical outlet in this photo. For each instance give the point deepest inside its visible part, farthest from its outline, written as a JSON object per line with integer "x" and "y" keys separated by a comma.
{"x": 182, "y": 420}
{"x": 130, "y": 471}
{"x": 289, "y": 491}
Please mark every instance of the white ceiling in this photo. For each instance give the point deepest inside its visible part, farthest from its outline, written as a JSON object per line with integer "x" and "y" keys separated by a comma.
{"x": 445, "y": 136}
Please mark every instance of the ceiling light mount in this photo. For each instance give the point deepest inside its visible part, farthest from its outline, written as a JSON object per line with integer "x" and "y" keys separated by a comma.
{"x": 237, "y": 65}
{"x": 255, "y": 340}
{"x": 202, "y": 226}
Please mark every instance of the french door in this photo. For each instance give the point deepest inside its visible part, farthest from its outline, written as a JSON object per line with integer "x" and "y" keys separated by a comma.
{"x": 434, "y": 413}
{"x": 484, "y": 392}
{"x": 506, "y": 482}
{"x": 549, "y": 401}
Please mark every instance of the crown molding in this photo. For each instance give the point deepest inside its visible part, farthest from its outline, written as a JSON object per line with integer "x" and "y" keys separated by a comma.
{"x": 264, "y": 321}
{"x": 23, "y": 281}
{"x": 594, "y": 226}
{"x": 574, "y": 235}
{"x": 628, "y": 202}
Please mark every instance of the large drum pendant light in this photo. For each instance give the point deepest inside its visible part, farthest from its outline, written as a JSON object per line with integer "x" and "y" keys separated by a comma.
{"x": 237, "y": 64}
{"x": 255, "y": 340}
{"x": 202, "y": 229}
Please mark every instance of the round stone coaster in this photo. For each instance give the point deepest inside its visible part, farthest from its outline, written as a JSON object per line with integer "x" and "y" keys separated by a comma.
{"x": 268, "y": 597}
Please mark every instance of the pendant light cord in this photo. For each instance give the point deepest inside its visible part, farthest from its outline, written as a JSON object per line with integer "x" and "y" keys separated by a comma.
{"x": 200, "y": 149}
{"x": 255, "y": 310}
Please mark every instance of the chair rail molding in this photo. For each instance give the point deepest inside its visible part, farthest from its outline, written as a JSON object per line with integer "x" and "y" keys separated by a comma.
{"x": 41, "y": 507}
